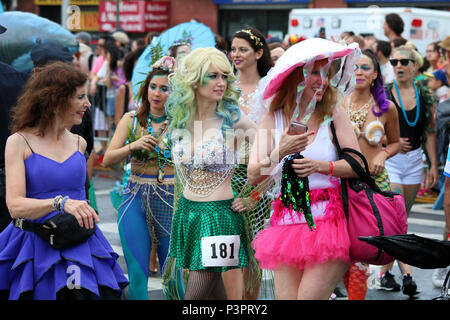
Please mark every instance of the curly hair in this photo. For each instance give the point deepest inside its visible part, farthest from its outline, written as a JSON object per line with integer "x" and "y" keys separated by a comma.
{"x": 181, "y": 103}
{"x": 45, "y": 95}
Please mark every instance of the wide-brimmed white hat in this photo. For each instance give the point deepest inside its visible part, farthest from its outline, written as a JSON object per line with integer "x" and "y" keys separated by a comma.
{"x": 305, "y": 53}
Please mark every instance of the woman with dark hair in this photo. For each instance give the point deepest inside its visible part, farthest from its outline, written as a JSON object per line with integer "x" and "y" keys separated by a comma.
{"x": 251, "y": 58}
{"x": 373, "y": 118}
{"x": 124, "y": 101}
{"x": 45, "y": 176}
{"x": 145, "y": 215}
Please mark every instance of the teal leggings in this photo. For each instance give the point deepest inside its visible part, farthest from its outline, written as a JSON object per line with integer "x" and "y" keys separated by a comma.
{"x": 135, "y": 234}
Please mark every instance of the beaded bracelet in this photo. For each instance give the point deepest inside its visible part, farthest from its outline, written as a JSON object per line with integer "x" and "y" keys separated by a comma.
{"x": 55, "y": 202}
{"x": 58, "y": 204}
{"x": 61, "y": 209}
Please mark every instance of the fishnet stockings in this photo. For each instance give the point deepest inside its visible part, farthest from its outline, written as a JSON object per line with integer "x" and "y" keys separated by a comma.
{"x": 205, "y": 285}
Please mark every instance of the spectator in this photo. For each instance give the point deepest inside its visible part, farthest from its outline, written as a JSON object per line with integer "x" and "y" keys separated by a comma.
{"x": 276, "y": 51}
{"x": 122, "y": 41}
{"x": 11, "y": 83}
{"x": 138, "y": 43}
{"x": 370, "y": 42}
{"x": 433, "y": 56}
{"x": 398, "y": 42}
{"x": 393, "y": 26}
{"x": 221, "y": 43}
{"x": 445, "y": 53}
{"x": 149, "y": 37}
{"x": 438, "y": 84}
{"x": 358, "y": 39}
{"x": 83, "y": 37}
{"x": 383, "y": 52}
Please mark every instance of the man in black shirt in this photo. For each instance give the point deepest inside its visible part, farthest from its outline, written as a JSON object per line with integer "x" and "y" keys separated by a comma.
{"x": 11, "y": 83}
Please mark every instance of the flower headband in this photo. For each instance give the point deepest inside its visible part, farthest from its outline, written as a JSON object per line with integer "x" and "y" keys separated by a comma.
{"x": 166, "y": 63}
{"x": 257, "y": 39}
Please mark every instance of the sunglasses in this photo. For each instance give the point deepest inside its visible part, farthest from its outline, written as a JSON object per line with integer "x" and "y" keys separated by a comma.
{"x": 404, "y": 62}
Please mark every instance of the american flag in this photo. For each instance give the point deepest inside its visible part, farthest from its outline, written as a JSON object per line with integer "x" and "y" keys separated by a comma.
{"x": 416, "y": 34}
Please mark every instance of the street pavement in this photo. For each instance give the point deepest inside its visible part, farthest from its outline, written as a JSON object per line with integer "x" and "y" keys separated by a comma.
{"x": 423, "y": 221}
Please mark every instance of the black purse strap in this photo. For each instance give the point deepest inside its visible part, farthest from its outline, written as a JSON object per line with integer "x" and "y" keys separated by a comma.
{"x": 363, "y": 173}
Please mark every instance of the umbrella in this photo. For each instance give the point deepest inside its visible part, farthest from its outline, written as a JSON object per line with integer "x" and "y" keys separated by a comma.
{"x": 194, "y": 33}
{"x": 417, "y": 251}
{"x": 24, "y": 31}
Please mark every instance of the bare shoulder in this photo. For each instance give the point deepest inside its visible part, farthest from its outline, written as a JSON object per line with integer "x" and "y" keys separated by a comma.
{"x": 80, "y": 141}
{"x": 16, "y": 145}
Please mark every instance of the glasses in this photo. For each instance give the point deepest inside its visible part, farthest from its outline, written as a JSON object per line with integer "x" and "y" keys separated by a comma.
{"x": 363, "y": 67}
{"x": 404, "y": 62}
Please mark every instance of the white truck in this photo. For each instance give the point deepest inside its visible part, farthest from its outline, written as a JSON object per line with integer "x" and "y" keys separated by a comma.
{"x": 422, "y": 26}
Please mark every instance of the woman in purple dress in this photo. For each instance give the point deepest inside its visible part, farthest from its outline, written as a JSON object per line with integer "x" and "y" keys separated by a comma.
{"x": 45, "y": 163}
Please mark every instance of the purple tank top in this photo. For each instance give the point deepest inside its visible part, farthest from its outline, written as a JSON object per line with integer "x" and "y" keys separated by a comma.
{"x": 47, "y": 178}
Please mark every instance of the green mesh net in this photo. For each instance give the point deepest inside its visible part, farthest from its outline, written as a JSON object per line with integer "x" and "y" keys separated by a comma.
{"x": 258, "y": 206}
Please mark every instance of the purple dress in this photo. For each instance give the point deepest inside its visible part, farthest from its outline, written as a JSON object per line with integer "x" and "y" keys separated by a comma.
{"x": 30, "y": 268}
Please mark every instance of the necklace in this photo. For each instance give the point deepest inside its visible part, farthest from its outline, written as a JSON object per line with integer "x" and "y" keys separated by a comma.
{"x": 157, "y": 119}
{"x": 403, "y": 108}
{"x": 359, "y": 116}
{"x": 245, "y": 98}
{"x": 166, "y": 154}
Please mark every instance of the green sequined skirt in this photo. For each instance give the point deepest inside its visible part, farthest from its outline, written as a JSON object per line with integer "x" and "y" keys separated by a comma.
{"x": 194, "y": 220}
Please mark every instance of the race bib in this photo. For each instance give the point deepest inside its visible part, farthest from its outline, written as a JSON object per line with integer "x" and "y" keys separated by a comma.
{"x": 220, "y": 251}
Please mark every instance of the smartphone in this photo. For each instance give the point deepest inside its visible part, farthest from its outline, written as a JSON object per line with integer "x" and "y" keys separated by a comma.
{"x": 297, "y": 128}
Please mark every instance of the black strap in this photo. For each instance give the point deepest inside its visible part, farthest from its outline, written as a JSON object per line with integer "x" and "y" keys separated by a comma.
{"x": 363, "y": 173}
{"x": 26, "y": 141}
{"x": 127, "y": 98}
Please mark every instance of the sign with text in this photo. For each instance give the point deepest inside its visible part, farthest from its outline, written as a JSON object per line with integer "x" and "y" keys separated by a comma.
{"x": 134, "y": 16}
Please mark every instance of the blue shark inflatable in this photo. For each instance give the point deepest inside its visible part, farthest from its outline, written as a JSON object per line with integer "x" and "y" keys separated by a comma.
{"x": 24, "y": 31}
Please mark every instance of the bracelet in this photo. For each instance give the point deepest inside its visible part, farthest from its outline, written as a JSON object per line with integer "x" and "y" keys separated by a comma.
{"x": 58, "y": 204}
{"x": 61, "y": 208}
{"x": 330, "y": 173}
{"x": 387, "y": 151}
{"x": 57, "y": 199}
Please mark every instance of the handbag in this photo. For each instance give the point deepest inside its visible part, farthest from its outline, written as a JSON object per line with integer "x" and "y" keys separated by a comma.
{"x": 60, "y": 231}
{"x": 369, "y": 210}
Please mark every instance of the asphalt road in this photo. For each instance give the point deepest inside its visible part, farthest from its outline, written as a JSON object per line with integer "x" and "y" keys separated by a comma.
{"x": 422, "y": 221}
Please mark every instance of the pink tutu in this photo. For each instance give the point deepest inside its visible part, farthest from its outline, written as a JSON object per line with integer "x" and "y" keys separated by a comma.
{"x": 295, "y": 244}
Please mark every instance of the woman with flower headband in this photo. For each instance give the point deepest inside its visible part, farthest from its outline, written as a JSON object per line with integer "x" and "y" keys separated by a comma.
{"x": 208, "y": 235}
{"x": 251, "y": 57}
{"x": 373, "y": 117}
{"x": 414, "y": 104}
{"x": 145, "y": 215}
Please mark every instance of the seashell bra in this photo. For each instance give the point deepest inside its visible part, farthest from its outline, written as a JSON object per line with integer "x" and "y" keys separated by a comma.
{"x": 374, "y": 130}
{"x": 212, "y": 163}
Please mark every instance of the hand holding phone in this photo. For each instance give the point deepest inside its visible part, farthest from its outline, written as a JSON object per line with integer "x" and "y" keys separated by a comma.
{"x": 296, "y": 128}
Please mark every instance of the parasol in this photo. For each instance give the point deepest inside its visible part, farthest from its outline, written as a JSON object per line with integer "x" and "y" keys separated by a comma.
{"x": 24, "y": 31}
{"x": 195, "y": 34}
{"x": 417, "y": 251}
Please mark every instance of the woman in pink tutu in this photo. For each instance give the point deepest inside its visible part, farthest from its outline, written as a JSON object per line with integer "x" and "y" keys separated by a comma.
{"x": 309, "y": 252}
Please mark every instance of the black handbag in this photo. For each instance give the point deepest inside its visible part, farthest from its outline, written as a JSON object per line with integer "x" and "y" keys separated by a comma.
{"x": 61, "y": 231}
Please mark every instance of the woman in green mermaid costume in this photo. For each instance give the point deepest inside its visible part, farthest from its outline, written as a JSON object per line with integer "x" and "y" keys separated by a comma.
{"x": 208, "y": 237}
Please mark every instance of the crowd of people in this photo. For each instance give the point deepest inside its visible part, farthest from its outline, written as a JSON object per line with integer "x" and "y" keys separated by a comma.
{"x": 203, "y": 121}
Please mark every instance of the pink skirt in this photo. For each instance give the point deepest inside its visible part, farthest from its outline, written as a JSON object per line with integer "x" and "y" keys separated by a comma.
{"x": 295, "y": 244}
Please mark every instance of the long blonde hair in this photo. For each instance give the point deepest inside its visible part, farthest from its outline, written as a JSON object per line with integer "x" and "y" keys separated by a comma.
{"x": 181, "y": 103}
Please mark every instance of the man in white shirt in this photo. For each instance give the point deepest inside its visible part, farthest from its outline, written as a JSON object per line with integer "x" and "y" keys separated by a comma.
{"x": 383, "y": 51}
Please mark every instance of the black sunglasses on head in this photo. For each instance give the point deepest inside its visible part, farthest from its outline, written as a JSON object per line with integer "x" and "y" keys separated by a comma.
{"x": 404, "y": 62}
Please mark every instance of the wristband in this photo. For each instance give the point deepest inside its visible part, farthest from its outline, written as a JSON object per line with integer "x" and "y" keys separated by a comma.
{"x": 61, "y": 208}
{"x": 56, "y": 200}
{"x": 330, "y": 173}
{"x": 387, "y": 151}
